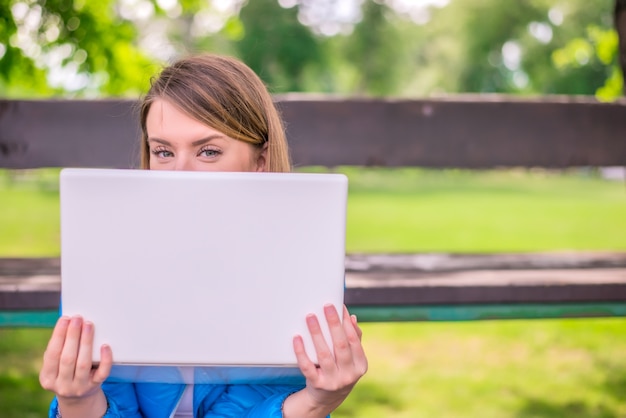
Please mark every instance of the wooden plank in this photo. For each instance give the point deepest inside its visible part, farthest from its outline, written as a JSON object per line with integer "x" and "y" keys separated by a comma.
{"x": 425, "y": 262}
{"x": 416, "y": 295}
{"x": 32, "y": 266}
{"x": 37, "y": 134}
{"x": 37, "y": 292}
{"x": 441, "y": 262}
{"x": 40, "y": 290}
{"x": 489, "y": 287}
{"x": 471, "y": 132}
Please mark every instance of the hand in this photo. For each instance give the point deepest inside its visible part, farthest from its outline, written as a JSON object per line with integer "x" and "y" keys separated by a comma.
{"x": 67, "y": 369}
{"x": 328, "y": 384}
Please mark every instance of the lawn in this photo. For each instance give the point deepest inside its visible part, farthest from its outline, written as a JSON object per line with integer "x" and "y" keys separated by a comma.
{"x": 494, "y": 211}
{"x": 21, "y": 351}
{"x": 29, "y": 213}
{"x": 518, "y": 369}
{"x": 493, "y": 369}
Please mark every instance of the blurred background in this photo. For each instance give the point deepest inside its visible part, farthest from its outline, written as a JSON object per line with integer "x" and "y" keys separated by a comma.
{"x": 407, "y": 48}
{"x": 87, "y": 49}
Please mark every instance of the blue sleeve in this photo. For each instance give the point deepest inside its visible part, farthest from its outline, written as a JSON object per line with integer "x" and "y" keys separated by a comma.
{"x": 121, "y": 398}
{"x": 251, "y": 401}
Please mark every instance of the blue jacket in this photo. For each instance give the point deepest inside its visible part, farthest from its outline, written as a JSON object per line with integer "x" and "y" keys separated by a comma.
{"x": 158, "y": 400}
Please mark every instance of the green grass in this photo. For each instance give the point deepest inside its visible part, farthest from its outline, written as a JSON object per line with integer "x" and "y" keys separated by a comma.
{"x": 500, "y": 369}
{"x": 494, "y": 211}
{"x": 29, "y": 213}
{"x": 517, "y": 369}
{"x": 21, "y": 352}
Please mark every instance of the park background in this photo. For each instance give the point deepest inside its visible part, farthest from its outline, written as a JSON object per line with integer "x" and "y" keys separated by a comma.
{"x": 349, "y": 48}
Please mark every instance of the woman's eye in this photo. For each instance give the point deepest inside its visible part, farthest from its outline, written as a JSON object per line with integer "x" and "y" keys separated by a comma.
{"x": 162, "y": 153}
{"x": 209, "y": 152}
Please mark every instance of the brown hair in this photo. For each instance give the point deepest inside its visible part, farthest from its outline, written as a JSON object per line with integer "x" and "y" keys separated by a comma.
{"x": 225, "y": 94}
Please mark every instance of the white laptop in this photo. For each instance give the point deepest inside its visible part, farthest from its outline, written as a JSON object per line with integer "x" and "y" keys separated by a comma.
{"x": 201, "y": 277}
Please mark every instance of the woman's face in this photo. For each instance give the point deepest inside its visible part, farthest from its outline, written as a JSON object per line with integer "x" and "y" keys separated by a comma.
{"x": 178, "y": 142}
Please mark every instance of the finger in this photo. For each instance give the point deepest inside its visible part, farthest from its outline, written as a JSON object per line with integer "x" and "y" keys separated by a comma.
{"x": 350, "y": 324}
{"x": 341, "y": 345}
{"x": 52, "y": 355}
{"x": 69, "y": 354}
{"x": 84, "y": 359}
{"x": 354, "y": 334}
{"x": 104, "y": 368}
{"x": 356, "y": 326}
{"x": 354, "y": 322}
{"x": 307, "y": 367}
{"x": 324, "y": 356}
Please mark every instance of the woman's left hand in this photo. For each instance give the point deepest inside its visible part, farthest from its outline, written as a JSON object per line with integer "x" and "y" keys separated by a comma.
{"x": 340, "y": 366}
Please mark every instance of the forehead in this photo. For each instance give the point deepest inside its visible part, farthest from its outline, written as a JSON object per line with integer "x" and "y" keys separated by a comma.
{"x": 165, "y": 120}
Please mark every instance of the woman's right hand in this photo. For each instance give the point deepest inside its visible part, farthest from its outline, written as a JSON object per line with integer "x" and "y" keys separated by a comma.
{"x": 67, "y": 369}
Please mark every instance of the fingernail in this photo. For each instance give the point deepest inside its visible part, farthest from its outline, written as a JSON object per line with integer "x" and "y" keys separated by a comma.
{"x": 88, "y": 326}
{"x": 354, "y": 318}
{"x": 329, "y": 308}
{"x": 298, "y": 344}
{"x": 76, "y": 321}
{"x": 311, "y": 319}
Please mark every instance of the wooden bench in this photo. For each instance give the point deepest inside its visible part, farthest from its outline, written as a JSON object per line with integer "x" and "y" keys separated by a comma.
{"x": 465, "y": 132}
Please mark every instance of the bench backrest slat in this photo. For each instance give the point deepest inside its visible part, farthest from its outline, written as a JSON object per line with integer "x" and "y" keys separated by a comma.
{"x": 478, "y": 132}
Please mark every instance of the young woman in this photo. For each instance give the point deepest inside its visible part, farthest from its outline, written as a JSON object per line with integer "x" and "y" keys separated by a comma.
{"x": 206, "y": 113}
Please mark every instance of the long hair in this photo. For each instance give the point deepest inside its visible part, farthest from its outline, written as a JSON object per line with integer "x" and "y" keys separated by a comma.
{"x": 225, "y": 94}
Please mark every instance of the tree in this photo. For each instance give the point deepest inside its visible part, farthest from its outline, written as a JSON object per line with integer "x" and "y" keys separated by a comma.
{"x": 277, "y": 47}
{"x": 384, "y": 47}
{"x": 620, "y": 26}
{"x": 510, "y": 45}
{"x": 69, "y": 45}
{"x": 375, "y": 50}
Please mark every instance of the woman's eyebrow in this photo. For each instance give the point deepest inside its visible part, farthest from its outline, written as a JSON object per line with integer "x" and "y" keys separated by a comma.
{"x": 196, "y": 143}
{"x": 206, "y": 139}
{"x": 160, "y": 141}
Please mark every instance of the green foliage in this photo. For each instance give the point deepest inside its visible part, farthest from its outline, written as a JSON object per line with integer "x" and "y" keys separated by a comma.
{"x": 276, "y": 46}
{"x": 599, "y": 46}
{"x": 375, "y": 50}
{"x": 17, "y": 72}
{"x": 508, "y": 46}
{"x": 487, "y": 26}
{"x": 95, "y": 48}
{"x": 234, "y": 29}
{"x": 53, "y": 41}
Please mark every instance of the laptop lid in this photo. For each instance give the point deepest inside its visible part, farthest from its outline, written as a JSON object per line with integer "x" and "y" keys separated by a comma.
{"x": 201, "y": 269}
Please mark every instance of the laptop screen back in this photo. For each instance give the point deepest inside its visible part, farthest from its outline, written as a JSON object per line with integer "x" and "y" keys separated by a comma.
{"x": 196, "y": 268}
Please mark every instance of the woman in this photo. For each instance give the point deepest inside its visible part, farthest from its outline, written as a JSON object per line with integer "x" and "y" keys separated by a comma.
{"x": 206, "y": 113}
